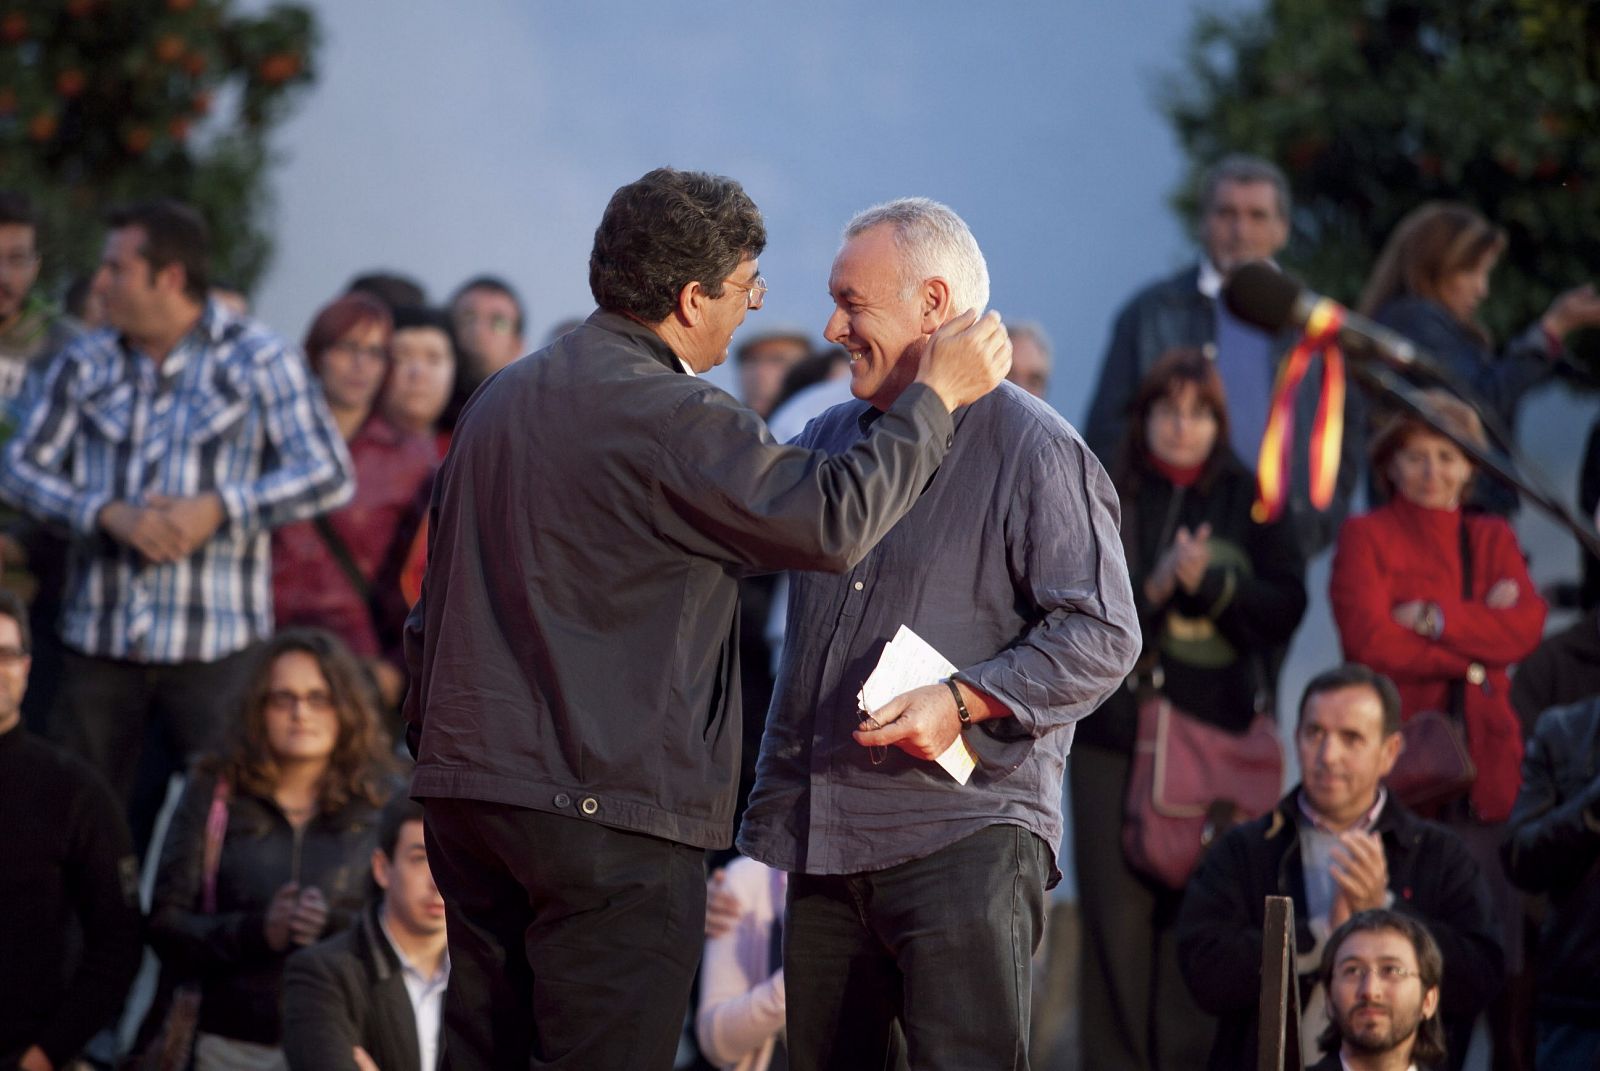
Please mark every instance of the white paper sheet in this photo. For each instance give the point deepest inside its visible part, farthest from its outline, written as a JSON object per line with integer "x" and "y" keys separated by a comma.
{"x": 909, "y": 661}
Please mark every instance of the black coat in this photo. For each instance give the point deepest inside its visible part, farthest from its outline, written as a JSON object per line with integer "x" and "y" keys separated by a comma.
{"x": 1554, "y": 847}
{"x": 348, "y": 991}
{"x": 1220, "y": 927}
{"x": 239, "y": 972}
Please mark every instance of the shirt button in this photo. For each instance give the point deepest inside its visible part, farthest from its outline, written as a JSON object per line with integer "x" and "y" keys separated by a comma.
{"x": 859, "y": 585}
{"x": 949, "y": 441}
{"x": 1476, "y": 674}
{"x": 563, "y": 800}
{"x": 589, "y": 805}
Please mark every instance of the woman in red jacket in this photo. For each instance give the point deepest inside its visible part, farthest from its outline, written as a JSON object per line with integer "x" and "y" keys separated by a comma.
{"x": 1398, "y": 600}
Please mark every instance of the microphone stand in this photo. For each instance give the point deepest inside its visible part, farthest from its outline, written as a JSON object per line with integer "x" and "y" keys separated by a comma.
{"x": 1379, "y": 381}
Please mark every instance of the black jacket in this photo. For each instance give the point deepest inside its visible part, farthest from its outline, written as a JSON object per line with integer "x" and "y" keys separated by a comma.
{"x": 1554, "y": 847}
{"x": 1252, "y": 598}
{"x": 1221, "y": 923}
{"x": 228, "y": 952}
{"x": 69, "y": 931}
{"x": 348, "y": 991}
{"x": 575, "y": 649}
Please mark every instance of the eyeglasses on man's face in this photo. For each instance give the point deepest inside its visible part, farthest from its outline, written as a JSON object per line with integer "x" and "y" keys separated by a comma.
{"x": 1353, "y": 974}
{"x": 755, "y": 294}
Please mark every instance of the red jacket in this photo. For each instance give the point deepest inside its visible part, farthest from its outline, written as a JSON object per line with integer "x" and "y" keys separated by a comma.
{"x": 1400, "y": 552}
{"x": 308, "y": 585}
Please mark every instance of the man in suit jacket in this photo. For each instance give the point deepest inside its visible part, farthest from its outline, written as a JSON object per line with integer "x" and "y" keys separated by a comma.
{"x": 371, "y": 997}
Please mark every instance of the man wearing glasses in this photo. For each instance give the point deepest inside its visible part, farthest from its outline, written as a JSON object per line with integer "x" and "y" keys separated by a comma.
{"x": 1381, "y": 972}
{"x": 1338, "y": 844}
{"x": 489, "y": 322}
{"x": 916, "y": 901}
{"x": 575, "y": 704}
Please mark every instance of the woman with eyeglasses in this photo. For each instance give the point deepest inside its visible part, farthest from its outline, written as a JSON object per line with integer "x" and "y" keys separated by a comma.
{"x": 341, "y": 572}
{"x": 1219, "y": 596}
{"x": 268, "y": 849}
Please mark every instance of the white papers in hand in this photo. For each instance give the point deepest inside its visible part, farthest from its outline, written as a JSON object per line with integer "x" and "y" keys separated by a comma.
{"x": 909, "y": 661}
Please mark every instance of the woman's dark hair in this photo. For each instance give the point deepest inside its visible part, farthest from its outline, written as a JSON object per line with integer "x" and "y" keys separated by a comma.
{"x": 362, "y": 764}
{"x": 665, "y": 231}
{"x": 338, "y": 318}
{"x": 1177, "y": 367}
{"x": 1429, "y": 1050}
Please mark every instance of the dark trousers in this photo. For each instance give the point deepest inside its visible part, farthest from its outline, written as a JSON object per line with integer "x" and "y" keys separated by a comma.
{"x": 572, "y": 945}
{"x": 936, "y": 950}
{"x": 1136, "y": 1013}
{"x": 112, "y": 713}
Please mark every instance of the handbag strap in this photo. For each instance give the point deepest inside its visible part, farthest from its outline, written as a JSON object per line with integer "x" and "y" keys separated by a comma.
{"x": 341, "y": 554}
{"x": 1458, "y": 688}
{"x": 216, "y": 830}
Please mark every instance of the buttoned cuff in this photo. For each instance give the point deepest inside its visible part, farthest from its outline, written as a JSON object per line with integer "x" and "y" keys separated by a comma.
{"x": 86, "y": 518}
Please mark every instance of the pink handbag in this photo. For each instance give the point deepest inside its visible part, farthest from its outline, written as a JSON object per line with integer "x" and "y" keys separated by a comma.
{"x": 1190, "y": 783}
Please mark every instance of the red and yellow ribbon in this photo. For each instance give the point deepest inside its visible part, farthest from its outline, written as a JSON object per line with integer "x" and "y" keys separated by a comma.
{"x": 1327, "y": 432}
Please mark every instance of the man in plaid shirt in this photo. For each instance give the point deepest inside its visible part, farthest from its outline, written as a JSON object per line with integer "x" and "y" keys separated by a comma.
{"x": 167, "y": 446}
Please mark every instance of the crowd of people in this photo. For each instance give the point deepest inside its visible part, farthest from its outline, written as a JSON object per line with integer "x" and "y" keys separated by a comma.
{"x": 307, "y": 582}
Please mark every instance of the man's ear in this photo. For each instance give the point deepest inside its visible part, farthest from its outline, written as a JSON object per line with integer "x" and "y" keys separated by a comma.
{"x": 690, "y": 307}
{"x": 380, "y": 868}
{"x": 1389, "y": 752}
{"x": 171, "y": 279}
{"x": 1430, "y": 1002}
{"x": 934, "y": 298}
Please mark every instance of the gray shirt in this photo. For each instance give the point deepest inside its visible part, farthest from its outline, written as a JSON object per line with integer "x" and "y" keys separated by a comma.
{"x": 1011, "y": 566}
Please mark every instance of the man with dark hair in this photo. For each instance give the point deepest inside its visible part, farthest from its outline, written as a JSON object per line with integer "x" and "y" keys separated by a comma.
{"x": 1381, "y": 974}
{"x": 575, "y": 703}
{"x": 167, "y": 445}
{"x": 376, "y": 990}
{"x": 70, "y": 933}
{"x": 1338, "y": 844}
{"x": 916, "y": 899}
{"x": 31, "y": 328}
{"x": 490, "y": 321}
{"x": 1244, "y": 216}
{"x": 1554, "y": 848}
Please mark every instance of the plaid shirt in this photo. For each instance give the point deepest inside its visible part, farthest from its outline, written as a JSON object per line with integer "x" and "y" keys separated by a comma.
{"x": 233, "y": 410}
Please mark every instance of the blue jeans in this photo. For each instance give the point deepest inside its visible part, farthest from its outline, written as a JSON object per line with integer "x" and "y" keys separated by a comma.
{"x": 935, "y": 952}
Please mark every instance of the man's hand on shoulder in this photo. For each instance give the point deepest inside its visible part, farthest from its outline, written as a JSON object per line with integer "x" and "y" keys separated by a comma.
{"x": 966, "y": 358}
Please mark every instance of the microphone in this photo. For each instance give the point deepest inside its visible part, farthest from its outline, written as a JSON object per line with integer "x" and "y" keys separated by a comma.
{"x": 1265, "y": 297}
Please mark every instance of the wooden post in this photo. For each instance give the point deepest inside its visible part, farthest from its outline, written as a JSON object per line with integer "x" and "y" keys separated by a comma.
{"x": 1280, "y": 991}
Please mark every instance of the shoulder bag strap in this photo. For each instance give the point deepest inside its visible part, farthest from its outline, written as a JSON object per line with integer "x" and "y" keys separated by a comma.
{"x": 1458, "y": 686}
{"x": 216, "y": 830}
{"x": 341, "y": 554}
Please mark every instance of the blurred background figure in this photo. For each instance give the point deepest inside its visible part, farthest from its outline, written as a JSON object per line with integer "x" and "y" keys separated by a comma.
{"x": 340, "y": 571}
{"x": 763, "y": 359}
{"x": 377, "y": 989}
{"x": 1438, "y": 597}
{"x": 1428, "y": 283}
{"x": 1031, "y": 358}
{"x": 422, "y": 375}
{"x": 295, "y": 797}
{"x": 739, "y": 1023}
{"x": 1219, "y": 597}
{"x": 394, "y": 289}
{"x": 70, "y": 931}
{"x": 489, "y": 319}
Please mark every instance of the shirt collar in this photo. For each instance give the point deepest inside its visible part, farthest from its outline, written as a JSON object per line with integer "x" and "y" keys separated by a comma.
{"x": 1209, "y": 281}
{"x": 1364, "y": 824}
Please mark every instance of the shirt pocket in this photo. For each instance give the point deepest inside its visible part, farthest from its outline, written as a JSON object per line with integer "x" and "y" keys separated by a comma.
{"x": 109, "y": 412}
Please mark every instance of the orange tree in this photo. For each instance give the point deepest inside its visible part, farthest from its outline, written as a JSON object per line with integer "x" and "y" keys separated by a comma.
{"x": 104, "y": 101}
{"x": 1375, "y": 106}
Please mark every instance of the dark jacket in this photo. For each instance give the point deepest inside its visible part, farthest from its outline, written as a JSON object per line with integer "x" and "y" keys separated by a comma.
{"x": 1223, "y": 917}
{"x": 1563, "y": 669}
{"x": 575, "y": 649}
{"x": 239, "y": 973}
{"x": 1235, "y": 625}
{"x": 1172, "y": 312}
{"x": 69, "y": 931}
{"x": 348, "y": 991}
{"x": 1554, "y": 847}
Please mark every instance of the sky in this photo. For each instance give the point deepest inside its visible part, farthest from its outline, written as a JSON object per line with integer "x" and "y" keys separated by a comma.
{"x": 487, "y": 135}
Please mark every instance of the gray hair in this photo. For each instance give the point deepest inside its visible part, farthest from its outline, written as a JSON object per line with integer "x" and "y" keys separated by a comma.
{"x": 934, "y": 242}
{"x": 1243, "y": 167}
